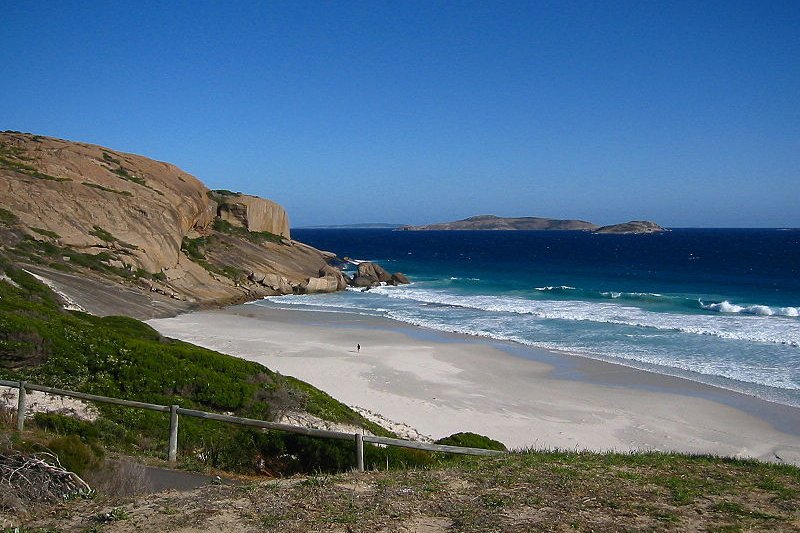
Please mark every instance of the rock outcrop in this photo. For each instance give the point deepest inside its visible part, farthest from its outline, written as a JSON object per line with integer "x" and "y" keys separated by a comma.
{"x": 398, "y": 278}
{"x": 252, "y": 213}
{"x": 124, "y": 220}
{"x": 372, "y": 275}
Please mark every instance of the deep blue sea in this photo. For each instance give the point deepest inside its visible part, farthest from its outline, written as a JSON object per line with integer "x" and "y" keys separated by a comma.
{"x": 719, "y": 306}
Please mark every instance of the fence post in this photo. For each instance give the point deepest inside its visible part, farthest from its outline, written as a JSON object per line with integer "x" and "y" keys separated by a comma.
{"x": 359, "y": 452}
{"x": 21, "y": 400}
{"x": 172, "y": 454}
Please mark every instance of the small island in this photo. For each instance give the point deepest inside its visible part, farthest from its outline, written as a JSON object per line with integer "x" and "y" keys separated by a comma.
{"x": 632, "y": 227}
{"x": 496, "y": 223}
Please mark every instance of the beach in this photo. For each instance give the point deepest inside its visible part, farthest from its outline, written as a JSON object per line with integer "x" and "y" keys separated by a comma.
{"x": 442, "y": 383}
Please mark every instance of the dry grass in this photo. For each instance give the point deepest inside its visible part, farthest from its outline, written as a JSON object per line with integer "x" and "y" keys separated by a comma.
{"x": 519, "y": 492}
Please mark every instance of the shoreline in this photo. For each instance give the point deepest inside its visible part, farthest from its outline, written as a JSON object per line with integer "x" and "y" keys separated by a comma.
{"x": 441, "y": 383}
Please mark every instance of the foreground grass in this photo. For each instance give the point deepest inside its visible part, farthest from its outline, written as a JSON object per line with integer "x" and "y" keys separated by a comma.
{"x": 535, "y": 491}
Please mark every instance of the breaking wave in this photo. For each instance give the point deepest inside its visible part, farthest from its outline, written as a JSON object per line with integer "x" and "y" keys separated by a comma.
{"x": 761, "y": 310}
{"x": 655, "y": 298}
{"x": 756, "y": 328}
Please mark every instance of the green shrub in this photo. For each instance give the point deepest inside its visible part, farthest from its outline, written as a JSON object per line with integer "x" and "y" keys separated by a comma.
{"x": 66, "y": 425}
{"x": 472, "y": 440}
{"x": 46, "y": 233}
{"x": 102, "y": 234}
{"x": 7, "y": 217}
{"x": 257, "y": 237}
{"x": 74, "y": 455}
{"x": 107, "y": 189}
{"x": 109, "y": 158}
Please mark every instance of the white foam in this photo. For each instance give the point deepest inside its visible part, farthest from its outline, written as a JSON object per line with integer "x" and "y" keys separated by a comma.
{"x": 691, "y": 368}
{"x": 756, "y": 328}
{"x": 762, "y": 310}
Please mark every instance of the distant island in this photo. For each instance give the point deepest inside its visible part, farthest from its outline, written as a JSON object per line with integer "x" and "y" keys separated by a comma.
{"x": 634, "y": 226}
{"x": 492, "y": 222}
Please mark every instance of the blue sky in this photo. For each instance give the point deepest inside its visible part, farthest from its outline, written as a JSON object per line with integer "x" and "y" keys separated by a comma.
{"x": 686, "y": 113}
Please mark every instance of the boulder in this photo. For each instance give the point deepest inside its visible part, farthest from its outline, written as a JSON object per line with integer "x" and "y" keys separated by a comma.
{"x": 253, "y": 213}
{"x": 373, "y": 272}
{"x": 277, "y": 283}
{"x": 361, "y": 281}
{"x": 257, "y": 277}
{"x": 323, "y": 284}
{"x": 398, "y": 278}
{"x": 341, "y": 279}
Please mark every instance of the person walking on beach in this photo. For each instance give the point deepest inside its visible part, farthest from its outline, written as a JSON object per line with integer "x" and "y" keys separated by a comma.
{"x": 358, "y": 348}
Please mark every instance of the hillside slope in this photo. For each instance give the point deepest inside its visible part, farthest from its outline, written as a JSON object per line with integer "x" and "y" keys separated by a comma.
{"x": 133, "y": 229}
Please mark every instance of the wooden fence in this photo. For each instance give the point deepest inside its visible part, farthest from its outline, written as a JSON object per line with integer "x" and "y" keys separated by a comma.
{"x": 174, "y": 411}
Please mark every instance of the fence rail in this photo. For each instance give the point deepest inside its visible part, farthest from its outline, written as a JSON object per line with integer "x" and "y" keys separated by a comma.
{"x": 175, "y": 411}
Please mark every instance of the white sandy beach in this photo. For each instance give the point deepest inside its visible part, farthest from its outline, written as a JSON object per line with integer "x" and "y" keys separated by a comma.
{"x": 442, "y": 384}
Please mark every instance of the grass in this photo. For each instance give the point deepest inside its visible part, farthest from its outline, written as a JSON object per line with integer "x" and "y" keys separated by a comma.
{"x": 7, "y": 218}
{"x": 46, "y": 233}
{"x": 67, "y": 259}
{"x": 106, "y": 236}
{"x": 107, "y": 189}
{"x": 124, "y": 173}
{"x": 195, "y": 249}
{"x": 222, "y": 192}
{"x": 110, "y": 159}
{"x": 102, "y": 234}
{"x": 13, "y": 157}
{"x": 528, "y": 491}
{"x": 257, "y": 237}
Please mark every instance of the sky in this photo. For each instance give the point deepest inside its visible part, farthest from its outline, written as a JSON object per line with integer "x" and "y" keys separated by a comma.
{"x": 685, "y": 113}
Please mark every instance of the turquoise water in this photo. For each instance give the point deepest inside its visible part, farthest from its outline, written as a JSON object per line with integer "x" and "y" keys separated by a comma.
{"x": 715, "y": 306}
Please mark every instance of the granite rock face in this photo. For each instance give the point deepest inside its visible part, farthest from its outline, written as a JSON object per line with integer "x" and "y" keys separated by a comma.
{"x": 158, "y": 228}
{"x": 253, "y": 213}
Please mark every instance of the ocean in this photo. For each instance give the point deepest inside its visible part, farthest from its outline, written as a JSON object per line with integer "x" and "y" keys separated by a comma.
{"x": 717, "y": 306}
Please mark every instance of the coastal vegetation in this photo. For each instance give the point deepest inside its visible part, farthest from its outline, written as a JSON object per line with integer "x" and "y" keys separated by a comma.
{"x": 257, "y": 237}
{"x": 107, "y": 189}
{"x": 122, "y": 357}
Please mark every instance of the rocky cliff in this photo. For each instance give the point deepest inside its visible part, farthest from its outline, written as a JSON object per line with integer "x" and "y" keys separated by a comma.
{"x": 123, "y": 233}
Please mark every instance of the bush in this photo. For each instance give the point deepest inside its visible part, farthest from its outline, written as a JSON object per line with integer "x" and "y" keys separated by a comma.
{"x": 472, "y": 440}
{"x": 74, "y": 455}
